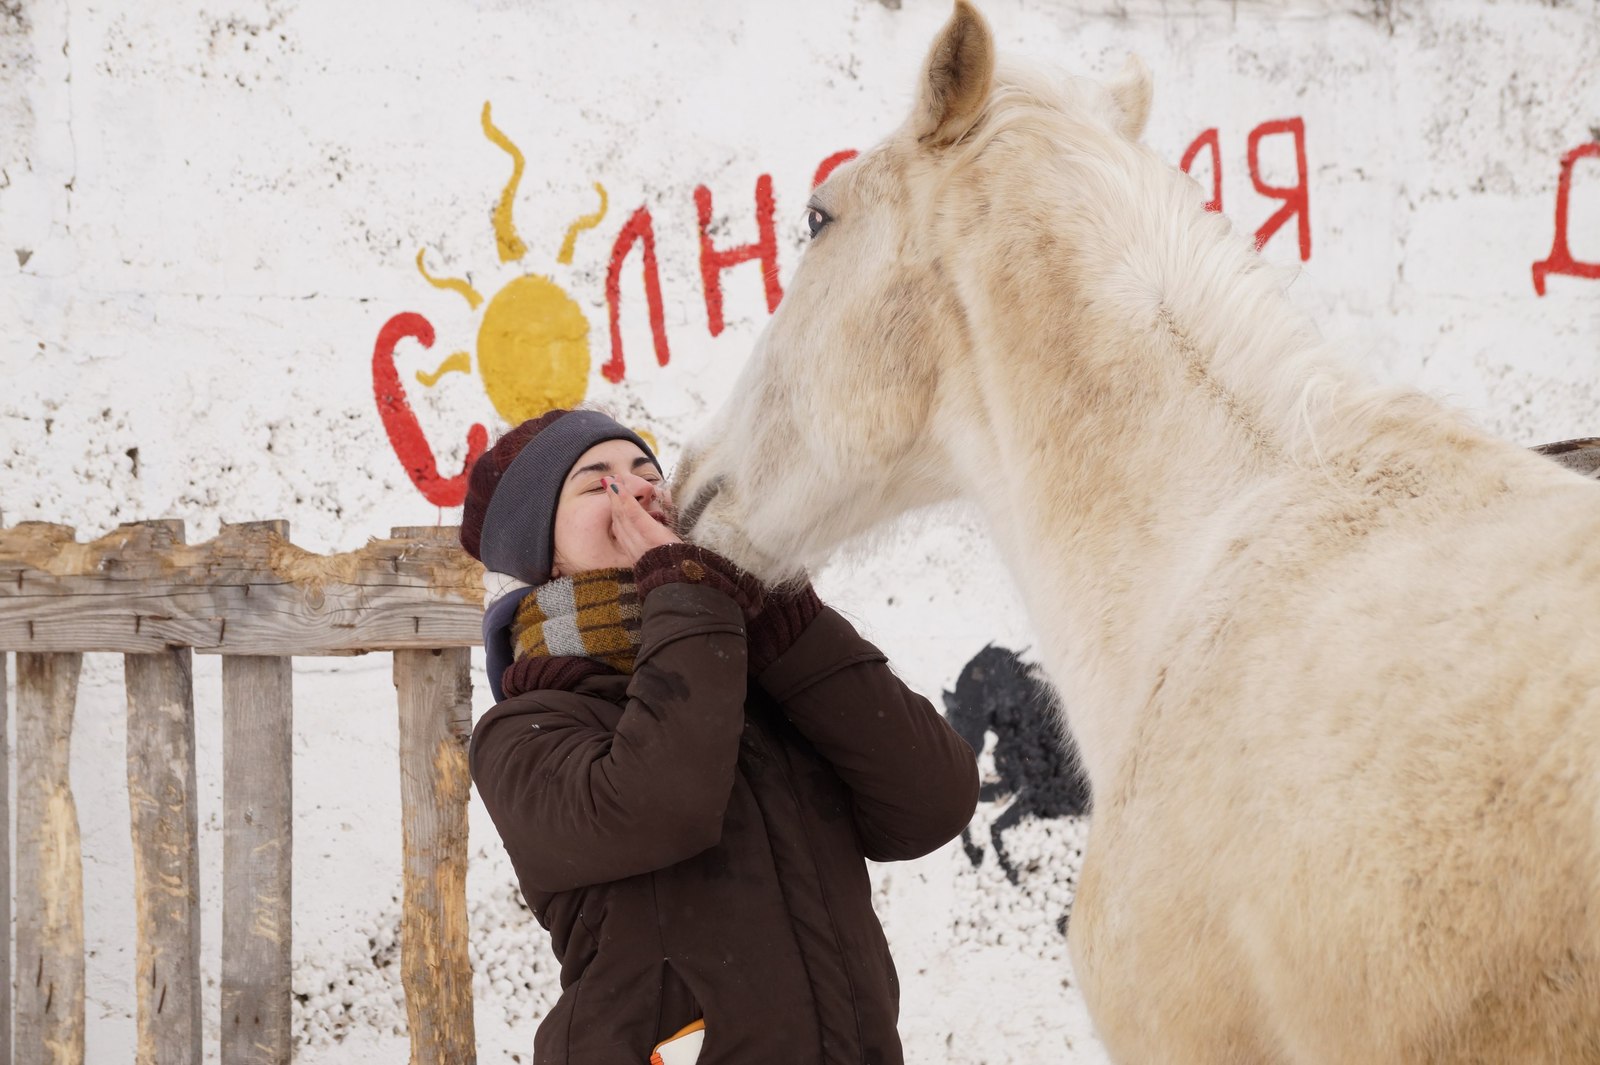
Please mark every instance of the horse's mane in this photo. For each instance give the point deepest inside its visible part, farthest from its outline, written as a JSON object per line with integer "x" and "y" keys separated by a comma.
{"x": 1194, "y": 267}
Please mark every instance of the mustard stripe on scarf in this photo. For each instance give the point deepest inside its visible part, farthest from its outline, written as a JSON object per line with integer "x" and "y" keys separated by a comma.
{"x": 591, "y": 615}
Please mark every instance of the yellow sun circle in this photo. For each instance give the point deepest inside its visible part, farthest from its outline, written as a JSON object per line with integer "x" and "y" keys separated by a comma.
{"x": 533, "y": 349}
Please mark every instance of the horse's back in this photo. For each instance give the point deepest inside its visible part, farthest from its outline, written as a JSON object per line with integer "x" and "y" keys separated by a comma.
{"x": 1372, "y": 787}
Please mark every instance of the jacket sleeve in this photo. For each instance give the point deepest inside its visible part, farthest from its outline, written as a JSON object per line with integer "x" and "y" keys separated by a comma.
{"x": 913, "y": 779}
{"x": 577, "y": 803}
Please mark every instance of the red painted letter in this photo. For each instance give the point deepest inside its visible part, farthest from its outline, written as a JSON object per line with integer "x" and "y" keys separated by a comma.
{"x": 405, "y": 433}
{"x": 1296, "y": 199}
{"x": 1208, "y": 139}
{"x": 1560, "y": 260}
{"x": 639, "y": 228}
{"x": 713, "y": 262}
{"x": 832, "y": 163}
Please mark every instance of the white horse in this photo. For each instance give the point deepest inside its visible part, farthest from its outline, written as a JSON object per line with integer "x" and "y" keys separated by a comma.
{"x": 1331, "y": 655}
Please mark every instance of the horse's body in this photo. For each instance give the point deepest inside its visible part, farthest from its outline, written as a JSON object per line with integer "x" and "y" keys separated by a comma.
{"x": 1331, "y": 656}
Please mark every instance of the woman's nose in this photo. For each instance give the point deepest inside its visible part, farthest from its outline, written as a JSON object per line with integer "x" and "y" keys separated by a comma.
{"x": 644, "y": 491}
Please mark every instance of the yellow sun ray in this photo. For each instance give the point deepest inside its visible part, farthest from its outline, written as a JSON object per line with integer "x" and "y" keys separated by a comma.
{"x": 505, "y": 232}
{"x": 588, "y": 221}
{"x": 460, "y": 362}
{"x": 452, "y": 284}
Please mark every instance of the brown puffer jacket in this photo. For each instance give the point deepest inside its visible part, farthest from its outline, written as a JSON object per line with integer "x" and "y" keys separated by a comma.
{"x": 694, "y": 840}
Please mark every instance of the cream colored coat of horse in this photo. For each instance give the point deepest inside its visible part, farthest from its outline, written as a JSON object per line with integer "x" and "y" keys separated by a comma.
{"x": 1332, "y": 656}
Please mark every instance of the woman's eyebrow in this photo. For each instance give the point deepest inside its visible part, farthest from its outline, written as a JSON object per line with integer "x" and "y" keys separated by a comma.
{"x": 593, "y": 467}
{"x": 605, "y": 467}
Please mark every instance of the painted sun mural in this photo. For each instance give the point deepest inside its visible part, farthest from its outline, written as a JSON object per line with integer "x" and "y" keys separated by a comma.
{"x": 532, "y": 351}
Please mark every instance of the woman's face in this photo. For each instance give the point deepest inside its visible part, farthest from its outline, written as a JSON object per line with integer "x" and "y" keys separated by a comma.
{"x": 583, "y": 539}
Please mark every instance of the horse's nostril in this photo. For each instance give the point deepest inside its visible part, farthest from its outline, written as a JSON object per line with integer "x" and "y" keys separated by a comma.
{"x": 697, "y": 507}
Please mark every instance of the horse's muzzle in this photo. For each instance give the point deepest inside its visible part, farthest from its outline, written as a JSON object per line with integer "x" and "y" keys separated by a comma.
{"x": 691, "y": 514}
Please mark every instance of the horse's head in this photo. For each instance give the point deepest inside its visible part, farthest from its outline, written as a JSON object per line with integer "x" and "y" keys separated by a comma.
{"x": 855, "y": 403}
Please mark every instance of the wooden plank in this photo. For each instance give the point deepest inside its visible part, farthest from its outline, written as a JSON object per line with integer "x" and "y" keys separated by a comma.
{"x": 5, "y": 867}
{"x": 5, "y": 874}
{"x": 49, "y": 955}
{"x": 165, "y": 825}
{"x": 257, "y": 852}
{"x": 137, "y": 590}
{"x": 166, "y": 865}
{"x": 435, "y": 695}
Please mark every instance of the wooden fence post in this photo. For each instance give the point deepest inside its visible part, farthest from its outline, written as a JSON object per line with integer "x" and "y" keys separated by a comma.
{"x": 49, "y": 955}
{"x": 165, "y": 825}
{"x": 257, "y": 853}
{"x": 435, "y": 695}
{"x": 5, "y": 866}
{"x": 5, "y": 874}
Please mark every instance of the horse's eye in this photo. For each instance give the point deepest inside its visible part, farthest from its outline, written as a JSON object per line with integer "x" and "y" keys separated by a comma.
{"x": 816, "y": 218}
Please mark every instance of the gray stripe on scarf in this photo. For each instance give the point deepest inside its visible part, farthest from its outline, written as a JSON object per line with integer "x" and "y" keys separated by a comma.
{"x": 560, "y": 608}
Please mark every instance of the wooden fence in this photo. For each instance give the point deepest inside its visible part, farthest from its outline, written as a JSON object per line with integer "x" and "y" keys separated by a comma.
{"x": 257, "y": 600}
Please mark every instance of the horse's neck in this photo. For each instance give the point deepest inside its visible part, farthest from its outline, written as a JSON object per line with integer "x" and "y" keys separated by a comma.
{"x": 1138, "y": 411}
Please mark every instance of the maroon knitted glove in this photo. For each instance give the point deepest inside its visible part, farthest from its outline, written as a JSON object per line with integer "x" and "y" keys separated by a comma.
{"x": 773, "y": 620}
{"x": 774, "y": 628}
{"x": 692, "y": 564}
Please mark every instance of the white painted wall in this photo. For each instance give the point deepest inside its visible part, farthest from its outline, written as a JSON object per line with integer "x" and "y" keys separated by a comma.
{"x": 208, "y": 212}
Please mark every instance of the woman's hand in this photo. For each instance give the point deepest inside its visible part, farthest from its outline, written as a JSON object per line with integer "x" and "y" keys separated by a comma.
{"x": 634, "y": 529}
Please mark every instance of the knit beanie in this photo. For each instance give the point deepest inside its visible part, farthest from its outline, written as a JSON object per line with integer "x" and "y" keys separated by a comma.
{"x": 509, "y": 517}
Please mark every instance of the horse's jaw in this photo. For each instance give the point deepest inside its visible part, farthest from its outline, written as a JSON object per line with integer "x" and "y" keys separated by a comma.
{"x": 781, "y": 520}
{"x": 708, "y": 521}
{"x": 809, "y": 540}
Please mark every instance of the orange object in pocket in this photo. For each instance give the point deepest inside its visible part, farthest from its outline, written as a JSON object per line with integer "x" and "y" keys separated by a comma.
{"x": 683, "y": 1048}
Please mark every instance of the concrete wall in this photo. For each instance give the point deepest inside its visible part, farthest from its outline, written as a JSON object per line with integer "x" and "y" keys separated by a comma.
{"x": 210, "y": 221}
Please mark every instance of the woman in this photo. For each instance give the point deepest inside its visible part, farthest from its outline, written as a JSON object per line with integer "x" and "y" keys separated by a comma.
{"x": 689, "y": 771}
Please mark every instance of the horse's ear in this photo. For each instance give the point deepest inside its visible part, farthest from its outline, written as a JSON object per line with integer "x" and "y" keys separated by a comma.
{"x": 1132, "y": 89}
{"x": 956, "y": 78}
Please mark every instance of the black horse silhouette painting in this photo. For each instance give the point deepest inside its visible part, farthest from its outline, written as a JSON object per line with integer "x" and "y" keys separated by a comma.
{"x": 1037, "y": 768}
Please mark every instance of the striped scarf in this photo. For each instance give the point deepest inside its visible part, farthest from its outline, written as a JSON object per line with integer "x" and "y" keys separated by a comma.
{"x": 590, "y": 615}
